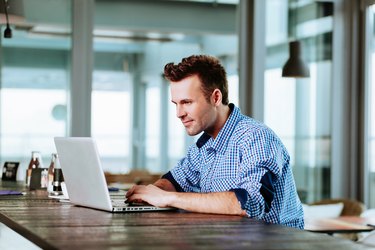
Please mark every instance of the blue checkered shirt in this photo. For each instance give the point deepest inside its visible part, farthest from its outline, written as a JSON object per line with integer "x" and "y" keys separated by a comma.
{"x": 249, "y": 159}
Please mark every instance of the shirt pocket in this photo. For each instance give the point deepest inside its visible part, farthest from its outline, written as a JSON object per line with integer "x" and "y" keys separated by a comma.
{"x": 226, "y": 166}
{"x": 225, "y": 178}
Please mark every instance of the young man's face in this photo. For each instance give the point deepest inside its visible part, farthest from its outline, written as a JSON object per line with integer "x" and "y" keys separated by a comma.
{"x": 194, "y": 111}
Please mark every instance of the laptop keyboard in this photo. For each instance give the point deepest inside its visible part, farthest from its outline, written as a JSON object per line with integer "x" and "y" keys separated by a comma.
{"x": 119, "y": 203}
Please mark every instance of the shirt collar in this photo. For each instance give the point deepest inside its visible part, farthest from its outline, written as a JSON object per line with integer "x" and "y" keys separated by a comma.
{"x": 221, "y": 140}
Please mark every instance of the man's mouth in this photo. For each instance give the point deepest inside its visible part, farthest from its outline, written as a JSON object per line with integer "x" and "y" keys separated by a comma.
{"x": 186, "y": 123}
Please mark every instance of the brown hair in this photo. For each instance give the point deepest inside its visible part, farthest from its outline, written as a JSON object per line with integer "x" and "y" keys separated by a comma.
{"x": 209, "y": 70}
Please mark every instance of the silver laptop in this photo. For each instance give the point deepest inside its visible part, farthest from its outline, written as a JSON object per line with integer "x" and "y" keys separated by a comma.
{"x": 84, "y": 177}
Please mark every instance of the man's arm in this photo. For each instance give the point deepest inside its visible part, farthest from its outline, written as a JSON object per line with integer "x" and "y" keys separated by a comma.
{"x": 165, "y": 185}
{"x": 217, "y": 203}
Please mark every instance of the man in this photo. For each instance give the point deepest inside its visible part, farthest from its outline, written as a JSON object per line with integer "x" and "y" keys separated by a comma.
{"x": 238, "y": 166}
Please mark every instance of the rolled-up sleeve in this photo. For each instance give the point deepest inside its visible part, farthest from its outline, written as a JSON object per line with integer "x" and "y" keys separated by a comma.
{"x": 259, "y": 169}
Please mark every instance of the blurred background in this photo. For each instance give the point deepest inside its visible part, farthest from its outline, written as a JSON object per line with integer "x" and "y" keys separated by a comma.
{"x": 94, "y": 68}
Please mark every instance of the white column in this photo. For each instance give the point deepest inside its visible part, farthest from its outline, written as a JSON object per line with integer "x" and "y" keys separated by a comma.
{"x": 252, "y": 55}
{"x": 81, "y": 68}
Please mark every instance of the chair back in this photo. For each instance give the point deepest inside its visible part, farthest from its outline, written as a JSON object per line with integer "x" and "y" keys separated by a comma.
{"x": 351, "y": 207}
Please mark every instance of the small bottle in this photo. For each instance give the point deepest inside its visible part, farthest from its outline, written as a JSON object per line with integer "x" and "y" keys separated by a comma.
{"x": 51, "y": 170}
{"x": 58, "y": 179}
{"x": 35, "y": 162}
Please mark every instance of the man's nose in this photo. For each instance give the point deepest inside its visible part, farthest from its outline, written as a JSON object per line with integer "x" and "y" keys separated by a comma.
{"x": 180, "y": 111}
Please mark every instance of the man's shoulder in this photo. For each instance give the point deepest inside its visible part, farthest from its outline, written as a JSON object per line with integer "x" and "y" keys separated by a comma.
{"x": 249, "y": 130}
{"x": 241, "y": 125}
{"x": 248, "y": 126}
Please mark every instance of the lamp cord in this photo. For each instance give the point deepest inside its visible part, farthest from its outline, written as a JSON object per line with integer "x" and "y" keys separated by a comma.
{"x": 6, "y": 12}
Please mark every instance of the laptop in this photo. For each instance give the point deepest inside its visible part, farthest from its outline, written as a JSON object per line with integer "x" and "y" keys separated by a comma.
{"x": 84, "y": 177}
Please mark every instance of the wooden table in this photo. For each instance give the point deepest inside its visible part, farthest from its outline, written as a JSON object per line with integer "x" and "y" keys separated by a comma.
{"x": 54, "y": 225}
{"x": 368, "y": 221}
{"x": 343, "y": 224}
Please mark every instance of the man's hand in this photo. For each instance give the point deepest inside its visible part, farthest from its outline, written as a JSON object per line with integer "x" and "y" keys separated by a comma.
{"x": 150, "y": 194}
{"x": 217, "y": 203}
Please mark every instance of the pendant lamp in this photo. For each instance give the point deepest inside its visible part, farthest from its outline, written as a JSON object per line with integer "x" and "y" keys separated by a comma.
{"x": 295, "y": 66}
{"x": 7, "y": 31}
{"x": 10, "y": 12}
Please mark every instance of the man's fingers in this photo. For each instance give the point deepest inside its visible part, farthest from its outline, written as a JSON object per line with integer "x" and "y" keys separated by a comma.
{"x": 129, "y": 192}
{"x": 133, "y": 195}
{"x": 132, "y": 190}
{"x": 135, "y": 198}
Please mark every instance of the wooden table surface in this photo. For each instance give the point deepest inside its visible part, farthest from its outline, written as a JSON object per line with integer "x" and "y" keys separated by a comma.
{"x": 369, "y": 221}
{"x": 54, "y": 225}
{"x": 342, "y": 224}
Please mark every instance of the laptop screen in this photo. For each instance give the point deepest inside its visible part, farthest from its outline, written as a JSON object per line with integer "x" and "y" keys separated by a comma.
{"x": 83, "y": 174}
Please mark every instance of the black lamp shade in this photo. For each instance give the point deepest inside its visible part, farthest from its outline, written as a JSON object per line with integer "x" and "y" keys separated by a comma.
{"x": 7, "y": 32}
{"x": 295, "y": 66}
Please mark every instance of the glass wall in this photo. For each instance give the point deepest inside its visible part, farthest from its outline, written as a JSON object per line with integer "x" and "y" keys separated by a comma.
{"x": 298, "y": 109}
{"x": 132, "y": 117}
{"x": 111, "y": 110}
{"x": 153, "y": 132}
{"x": 370, "y": 110}
{"x": 142, "y": 130}
{"x": 34, "y": 66}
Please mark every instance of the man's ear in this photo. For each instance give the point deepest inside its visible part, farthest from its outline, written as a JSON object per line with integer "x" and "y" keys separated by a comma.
{"x": 216, "y": 97}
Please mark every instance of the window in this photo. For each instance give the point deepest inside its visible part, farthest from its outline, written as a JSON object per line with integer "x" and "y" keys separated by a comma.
{"x": 153, "y": 133}
{"x": 298, "y": 109}
{"x": 34, "y": 81}
{"x": 132, "y": 118}
{"x": 111, "y": 111}
{"x": 370, "y": 111}
{"x": 144, "y": 127}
